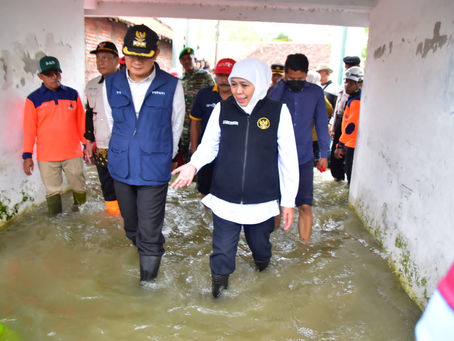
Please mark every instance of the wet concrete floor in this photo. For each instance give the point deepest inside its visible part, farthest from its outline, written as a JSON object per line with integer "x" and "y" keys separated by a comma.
{"x": 75, "y": 277}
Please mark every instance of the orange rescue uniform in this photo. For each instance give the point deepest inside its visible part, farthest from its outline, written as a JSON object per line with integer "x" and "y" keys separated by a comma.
{"x": 55, "y": 120}
{"x": 350, "y": 120}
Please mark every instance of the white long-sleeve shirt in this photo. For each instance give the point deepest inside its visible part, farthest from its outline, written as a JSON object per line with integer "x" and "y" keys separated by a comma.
{"x": 287, "y": 165}
{"x": 138, "y": 92}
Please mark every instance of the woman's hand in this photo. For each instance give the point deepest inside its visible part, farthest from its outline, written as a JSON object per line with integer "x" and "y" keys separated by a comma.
{"x": 186, "y": 174}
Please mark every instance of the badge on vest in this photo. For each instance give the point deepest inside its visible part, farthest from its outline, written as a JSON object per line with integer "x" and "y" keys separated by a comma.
{"x": 230, "y": 123}
{"x": 263, "y": 123}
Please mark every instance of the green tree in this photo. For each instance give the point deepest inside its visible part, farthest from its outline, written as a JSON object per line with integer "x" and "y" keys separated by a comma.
{"x": 282, "y": 37}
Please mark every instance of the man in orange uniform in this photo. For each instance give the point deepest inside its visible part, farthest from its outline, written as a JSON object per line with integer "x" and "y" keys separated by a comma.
{"x": 347, "y": 142}
{"x": 54, "y": 119}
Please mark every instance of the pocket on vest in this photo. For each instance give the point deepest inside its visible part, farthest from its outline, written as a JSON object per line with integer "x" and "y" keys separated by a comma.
{"x": 155, "y": 166}
{"x": 118, "y": 160}
{"x": 118, "y": 105}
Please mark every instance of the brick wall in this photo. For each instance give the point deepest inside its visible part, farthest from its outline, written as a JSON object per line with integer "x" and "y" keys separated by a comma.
{"x": 100, "y": 29}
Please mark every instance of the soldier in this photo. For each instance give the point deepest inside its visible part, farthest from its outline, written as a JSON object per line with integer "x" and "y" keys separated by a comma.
{"x": 193, "y": 80}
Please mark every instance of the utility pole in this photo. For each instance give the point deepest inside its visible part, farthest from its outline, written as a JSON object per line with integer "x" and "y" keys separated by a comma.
{"x": 217, "y": 43}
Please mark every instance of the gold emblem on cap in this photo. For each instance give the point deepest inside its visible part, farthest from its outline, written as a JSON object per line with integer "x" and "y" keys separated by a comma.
{"x": 263, "y": 123}
{"x": 139, "y": 40}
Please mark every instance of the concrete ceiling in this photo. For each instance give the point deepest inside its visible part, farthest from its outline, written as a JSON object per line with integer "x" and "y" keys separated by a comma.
{"x": 321, "y": 12}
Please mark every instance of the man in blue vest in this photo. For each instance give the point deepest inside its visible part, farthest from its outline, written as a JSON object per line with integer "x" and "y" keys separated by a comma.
{"x": 148, "y": 111}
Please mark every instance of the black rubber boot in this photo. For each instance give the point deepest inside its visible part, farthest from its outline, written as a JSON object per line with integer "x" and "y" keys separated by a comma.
{"x": 54, "y": 205}
{"x": 218, "y": 284}
{"x": 79, "y": 199}
{"x": 261, "y": 266}
{"x": 149, "y": 267}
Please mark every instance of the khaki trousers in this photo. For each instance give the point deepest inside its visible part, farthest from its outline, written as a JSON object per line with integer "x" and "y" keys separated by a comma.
{"x": 52, "y": 176}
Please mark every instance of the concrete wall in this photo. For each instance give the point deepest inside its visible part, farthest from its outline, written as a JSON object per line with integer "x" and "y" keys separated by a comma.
{"x": 403, "y": 170}
{"x": 29, "y": 29}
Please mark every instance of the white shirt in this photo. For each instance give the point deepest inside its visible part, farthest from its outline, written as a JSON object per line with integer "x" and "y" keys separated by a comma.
{"x": 287, "y": 165}
{"x": 138, "y": 92}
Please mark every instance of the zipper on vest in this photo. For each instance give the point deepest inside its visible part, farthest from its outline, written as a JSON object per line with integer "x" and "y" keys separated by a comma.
{"x": 243, "y": 179}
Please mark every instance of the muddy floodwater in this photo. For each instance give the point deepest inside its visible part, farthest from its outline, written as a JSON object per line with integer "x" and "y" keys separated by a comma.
{"x": 75, "y": 277}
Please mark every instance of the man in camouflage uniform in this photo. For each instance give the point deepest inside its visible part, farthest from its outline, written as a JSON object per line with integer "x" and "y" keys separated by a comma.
{"x": 193, "y": 80}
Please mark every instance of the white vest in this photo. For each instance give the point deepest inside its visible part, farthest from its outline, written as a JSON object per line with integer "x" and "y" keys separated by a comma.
{"x": 102, "y": 122}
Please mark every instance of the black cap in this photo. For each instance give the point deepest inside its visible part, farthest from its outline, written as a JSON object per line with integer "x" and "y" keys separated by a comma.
{"x": 277, "y": 68}
{"x": 352, "y": 60}
{"x": 106, "y": 46}
{"x": 140, "y": 41}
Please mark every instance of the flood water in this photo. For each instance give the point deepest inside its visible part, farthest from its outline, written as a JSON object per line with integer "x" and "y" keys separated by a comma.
{"x": 75, "y": 277}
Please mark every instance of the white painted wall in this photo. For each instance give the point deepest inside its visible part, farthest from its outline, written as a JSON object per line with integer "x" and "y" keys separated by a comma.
{"x": 403, "y": 178}
{"x": 29, "y": 29}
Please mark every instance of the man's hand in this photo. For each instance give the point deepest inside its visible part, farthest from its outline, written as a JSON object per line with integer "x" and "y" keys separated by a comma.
{"x": 288, "y": 216}
{"x": 322, "y": 164}
{"x": 186, "y": 174}
{"x": 88, "y": 152}
{"x": 339, "y": 153}
{"x": 28, "y": 166}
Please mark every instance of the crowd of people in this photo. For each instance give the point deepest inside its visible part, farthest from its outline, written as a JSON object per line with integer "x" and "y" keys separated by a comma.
{"x": 141, "y": 125}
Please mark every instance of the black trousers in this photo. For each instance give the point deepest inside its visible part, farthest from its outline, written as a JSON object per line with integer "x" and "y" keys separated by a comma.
{"x": 337, "y": 165}
{"x": 142, "y": 209}
{"x": 226, "y": 235}
{"x": 107, "y": 183}
{"x": 349, "y": 153}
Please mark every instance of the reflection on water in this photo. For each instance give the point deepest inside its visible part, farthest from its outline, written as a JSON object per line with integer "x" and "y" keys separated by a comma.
{"x": 75, "y": 277}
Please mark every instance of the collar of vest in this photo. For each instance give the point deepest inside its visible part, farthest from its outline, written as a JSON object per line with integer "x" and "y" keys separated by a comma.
{"x": 155, "y": 84}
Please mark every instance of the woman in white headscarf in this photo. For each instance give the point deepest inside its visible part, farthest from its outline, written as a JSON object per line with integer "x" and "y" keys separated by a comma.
{"x": 256, "y": 168}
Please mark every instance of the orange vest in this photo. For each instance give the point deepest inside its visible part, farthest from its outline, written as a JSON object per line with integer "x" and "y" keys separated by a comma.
{"x": 350, "y": 121}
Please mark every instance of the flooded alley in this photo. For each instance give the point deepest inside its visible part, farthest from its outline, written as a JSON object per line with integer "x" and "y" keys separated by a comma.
{"x": 75, "y": 277}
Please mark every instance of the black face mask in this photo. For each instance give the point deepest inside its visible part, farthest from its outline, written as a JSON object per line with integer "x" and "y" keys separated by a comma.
{"x": 295, "y": 85}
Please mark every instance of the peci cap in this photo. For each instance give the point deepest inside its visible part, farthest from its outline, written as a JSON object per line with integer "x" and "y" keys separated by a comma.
{"x": 324, "y": 67}
{"x": 47, "y": 64}
{"x": 106, "y": 46}
{"x": 140, "y": 41}
{"x": 185, "y": 51}
{"x": 224, "y": 66}
{"x": 352, "y": 60}
{"x": 277, "y": 69}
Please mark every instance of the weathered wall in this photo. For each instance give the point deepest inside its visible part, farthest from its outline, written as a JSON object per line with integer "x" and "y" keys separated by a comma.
{"x": 403, "y": 171}
{"x": 29, "y": 29}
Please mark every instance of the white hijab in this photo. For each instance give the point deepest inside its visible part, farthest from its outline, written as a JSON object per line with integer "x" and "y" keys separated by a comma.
{"x": 256, "y": 72}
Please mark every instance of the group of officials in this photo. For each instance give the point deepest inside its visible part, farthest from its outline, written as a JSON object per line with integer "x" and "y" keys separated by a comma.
{"x": 141, "y": 122}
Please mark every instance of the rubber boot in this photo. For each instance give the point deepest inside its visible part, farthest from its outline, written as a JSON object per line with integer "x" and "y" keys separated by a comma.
{"x": 149, "y": 267}
{"x": 79, "y": 199}
{"x": 261, "y": 266}
{"x": 54, "y": 205}
{"x": 218, "y": 284}
{"x": 112, "y": 207}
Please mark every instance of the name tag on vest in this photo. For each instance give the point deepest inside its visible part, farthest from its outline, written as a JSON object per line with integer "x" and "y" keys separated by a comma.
{"x": 158, "y": 92}
{"x": 230, "y": 123}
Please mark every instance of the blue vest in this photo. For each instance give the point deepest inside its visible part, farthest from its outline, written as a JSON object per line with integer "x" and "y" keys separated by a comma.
{"x": 140, "y": 149}
{"x": 246, "y": 169}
